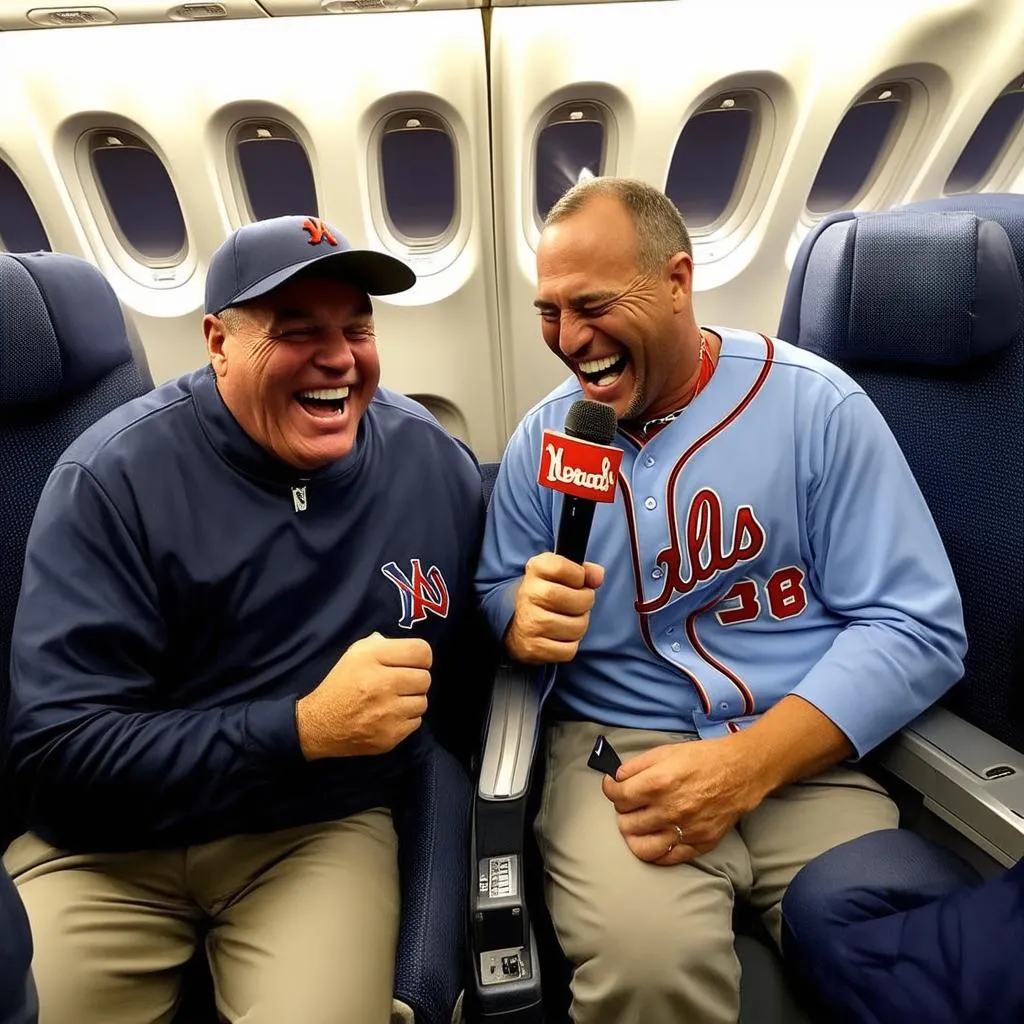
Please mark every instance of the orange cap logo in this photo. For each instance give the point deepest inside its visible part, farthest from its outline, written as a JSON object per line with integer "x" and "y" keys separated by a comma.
{"x": 318, "y": 231}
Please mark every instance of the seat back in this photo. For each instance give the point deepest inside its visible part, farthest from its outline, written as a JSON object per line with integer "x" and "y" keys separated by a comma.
{"x": 18, "y": 1002}
{"x": 488, "y": 474}
{"x": 923, "y": 306}
{"x": 65, "y": 361}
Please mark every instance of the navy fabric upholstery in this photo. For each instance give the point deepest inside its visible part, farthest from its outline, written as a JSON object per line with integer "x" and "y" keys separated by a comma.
{"x": 65, "y": 361}
{"x": 862, "y": 927}
{"x": 61, "y": 325}
{"x": 919, "y": 289}
{"x": 18, "y": 1003}
{"x": 891, "y": 870}
{"x": 30, "y": 367}
{"x": 489, "y": 474}
{"x": 789, "y": 319}
{"x": 433, "y": 840}
{"x": 956, "y": 404}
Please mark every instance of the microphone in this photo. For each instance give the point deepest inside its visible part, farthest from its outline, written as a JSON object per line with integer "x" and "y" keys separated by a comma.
{"x": 581, "y": 463}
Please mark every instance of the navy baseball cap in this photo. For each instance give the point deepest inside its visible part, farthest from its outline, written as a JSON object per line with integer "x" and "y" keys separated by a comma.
{"x": 258, "y": 257}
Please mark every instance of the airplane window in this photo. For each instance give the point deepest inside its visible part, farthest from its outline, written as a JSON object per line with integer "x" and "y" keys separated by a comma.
{"x": 710, "y": 158}
{"x": 861, "y": 140}
{"x": 417, "y": 158}
{"x": 995, "y": 130}
{"x": 275, "y": 172}
{"x": 570, "y": 148}
{"x": 139, "y": 196}
{"x": 447, "y": 414}
{"x": 20, "y": 227}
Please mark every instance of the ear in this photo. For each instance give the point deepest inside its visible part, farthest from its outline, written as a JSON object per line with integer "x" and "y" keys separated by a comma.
{"x": 680, "y": 277}
{"x": 216, "y": 334}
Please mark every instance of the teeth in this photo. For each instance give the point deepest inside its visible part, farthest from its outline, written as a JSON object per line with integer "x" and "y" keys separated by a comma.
{"x": 608, "y": 378}
{"x": 325, "y": 394}
{"x": 593, "y": 365}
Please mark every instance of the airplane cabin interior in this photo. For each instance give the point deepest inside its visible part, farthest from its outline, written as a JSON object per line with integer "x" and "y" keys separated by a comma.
{"x": 136, "y": 135}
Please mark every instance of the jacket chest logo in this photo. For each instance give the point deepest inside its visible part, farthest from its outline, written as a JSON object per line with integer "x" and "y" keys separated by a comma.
{"x": 420, "y": 592}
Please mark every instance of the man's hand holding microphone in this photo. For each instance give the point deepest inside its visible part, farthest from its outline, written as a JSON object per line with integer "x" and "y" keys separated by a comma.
{"x": 558, "y": 589}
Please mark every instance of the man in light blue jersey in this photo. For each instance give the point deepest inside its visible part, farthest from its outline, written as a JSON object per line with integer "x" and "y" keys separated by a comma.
{"x": 768, "y": 582}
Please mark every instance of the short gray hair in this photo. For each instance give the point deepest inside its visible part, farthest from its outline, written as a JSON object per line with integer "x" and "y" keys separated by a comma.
{"x": 660, "y": 231}
{"x": 231, "y": 317}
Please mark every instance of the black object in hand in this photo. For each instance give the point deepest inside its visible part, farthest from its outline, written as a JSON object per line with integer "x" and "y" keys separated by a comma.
{"x": 603, "y": 757}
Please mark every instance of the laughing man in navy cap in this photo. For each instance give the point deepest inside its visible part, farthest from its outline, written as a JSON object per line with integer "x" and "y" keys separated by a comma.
{"x": 237, "y": 592}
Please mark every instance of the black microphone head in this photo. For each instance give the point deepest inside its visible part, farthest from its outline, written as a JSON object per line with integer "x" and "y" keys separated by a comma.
{"x": 591, "y": 421}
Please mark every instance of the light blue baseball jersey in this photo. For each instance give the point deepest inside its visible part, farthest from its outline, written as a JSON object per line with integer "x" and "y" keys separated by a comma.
{"x": 770, "y": 540}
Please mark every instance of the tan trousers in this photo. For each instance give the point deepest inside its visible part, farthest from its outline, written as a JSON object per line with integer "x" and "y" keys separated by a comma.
{"x": 654, "y": 945}
{"x": 304, "y": 925}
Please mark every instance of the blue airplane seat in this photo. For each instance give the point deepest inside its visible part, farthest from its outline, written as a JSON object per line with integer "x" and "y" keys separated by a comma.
{"x": 18, "y": 1003}
{"x": 67, "y": 357}
{"x": 922, "y": 306}
{"x": 65, "y": 360}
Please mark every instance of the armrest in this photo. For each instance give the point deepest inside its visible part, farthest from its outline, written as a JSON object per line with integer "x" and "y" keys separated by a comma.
{"x": 510, "y": 741}
{"x": 970, "y": 780}
{"x": 505, "y": 976}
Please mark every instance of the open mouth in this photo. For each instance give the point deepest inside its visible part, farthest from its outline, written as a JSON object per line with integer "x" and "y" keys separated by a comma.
{"x": 603, "y": 372}
{"x": 323, "y": 403}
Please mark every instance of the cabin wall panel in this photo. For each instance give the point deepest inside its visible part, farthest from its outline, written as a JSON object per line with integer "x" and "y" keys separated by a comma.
{"x": 181, "y": 86}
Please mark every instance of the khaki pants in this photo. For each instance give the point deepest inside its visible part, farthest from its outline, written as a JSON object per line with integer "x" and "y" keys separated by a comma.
{"x": 304, "y": 925}
{"x": 654, "y": 945}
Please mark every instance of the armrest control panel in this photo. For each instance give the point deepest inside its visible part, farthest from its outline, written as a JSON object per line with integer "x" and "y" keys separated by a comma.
{"x": 499, "y": 920}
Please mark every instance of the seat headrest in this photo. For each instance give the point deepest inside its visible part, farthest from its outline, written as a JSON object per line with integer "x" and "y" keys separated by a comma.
{"x": 922, "y": 288}
{"x": 61, "y": 327}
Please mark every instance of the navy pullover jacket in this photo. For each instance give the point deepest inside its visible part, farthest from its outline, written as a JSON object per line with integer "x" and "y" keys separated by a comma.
{"x": 183, "y": 588}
